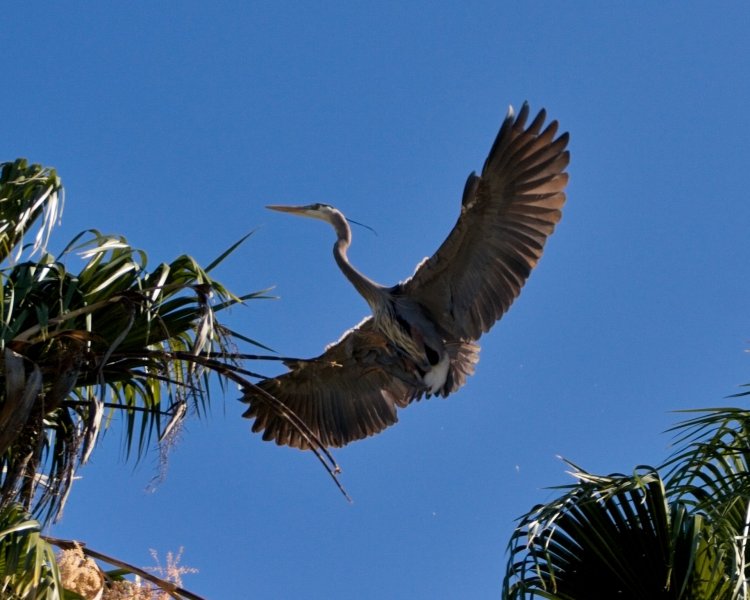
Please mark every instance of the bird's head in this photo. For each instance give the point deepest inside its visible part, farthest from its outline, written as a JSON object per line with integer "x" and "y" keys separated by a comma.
{"x": 324, "y": 212}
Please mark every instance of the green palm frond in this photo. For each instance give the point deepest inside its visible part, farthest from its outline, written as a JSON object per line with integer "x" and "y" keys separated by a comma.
{"x": 615, "y": 537}
{"x": 88, "y": 339}
{"x": 711, "y": 463}
{"x": 111, "y": 341}
{"x": 28, "y": 570}
{"x": 86, "y": 345}
{"x": 710, "y": 472}
{"x": 26, "y": 193}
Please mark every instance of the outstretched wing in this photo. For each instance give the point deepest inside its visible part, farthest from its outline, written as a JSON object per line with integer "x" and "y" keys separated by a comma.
{"x": 348, "y": 393}
{"x": 507, "y": 214}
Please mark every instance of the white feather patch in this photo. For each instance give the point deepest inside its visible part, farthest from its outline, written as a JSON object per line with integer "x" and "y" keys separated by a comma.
{"x": 435, "y": 378}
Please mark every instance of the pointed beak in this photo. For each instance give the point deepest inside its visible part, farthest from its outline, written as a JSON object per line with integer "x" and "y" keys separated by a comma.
{"x": 312, "y": 211}
{"x": 298, "y": 210}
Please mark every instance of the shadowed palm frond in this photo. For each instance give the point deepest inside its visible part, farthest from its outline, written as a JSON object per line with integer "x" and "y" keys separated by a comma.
{"x": 616, "y": 537}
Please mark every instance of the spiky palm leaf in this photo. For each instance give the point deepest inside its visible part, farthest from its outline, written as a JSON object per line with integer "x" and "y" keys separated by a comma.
{"x": 27, "y": 192}
{"x": 85, "y": 346}
{"x": 82, "y": 346}
{"x": 711, "y": 463}
{"x": 710, "y": 472}
{"x": 28, "y": 570}
{"x": 616, "y": 537}
{"x": 706, "y": 488}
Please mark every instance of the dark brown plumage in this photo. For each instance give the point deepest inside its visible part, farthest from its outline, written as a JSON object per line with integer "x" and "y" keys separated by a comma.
{"x": 420, "y": 339}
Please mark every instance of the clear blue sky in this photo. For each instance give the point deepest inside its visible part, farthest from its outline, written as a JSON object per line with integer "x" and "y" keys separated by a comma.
{"x": 175, "y": 123}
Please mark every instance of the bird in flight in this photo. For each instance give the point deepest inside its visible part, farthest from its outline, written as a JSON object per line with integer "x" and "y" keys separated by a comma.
{"x": 420, "y": 339}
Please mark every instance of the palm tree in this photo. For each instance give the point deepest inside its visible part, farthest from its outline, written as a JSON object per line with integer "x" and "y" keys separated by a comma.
{"x": 678, "y": 535}
{"x": 79, "y": 346}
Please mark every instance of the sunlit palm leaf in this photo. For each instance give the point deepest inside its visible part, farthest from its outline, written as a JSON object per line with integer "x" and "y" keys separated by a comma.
{"x": 26, "y": 193}
{"x": 712, "y": 457}
{"x": 28, "y": 570}
{"x": 115, "y": 333}
{"x": 87, "y": 346}
{"x": 710, "y": 471}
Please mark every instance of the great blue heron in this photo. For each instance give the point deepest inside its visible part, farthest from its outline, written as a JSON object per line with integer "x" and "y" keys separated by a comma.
{"x": 420, "y": 338}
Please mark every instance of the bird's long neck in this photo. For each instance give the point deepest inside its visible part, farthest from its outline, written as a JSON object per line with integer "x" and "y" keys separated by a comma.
{"x": 368, "y": 289}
